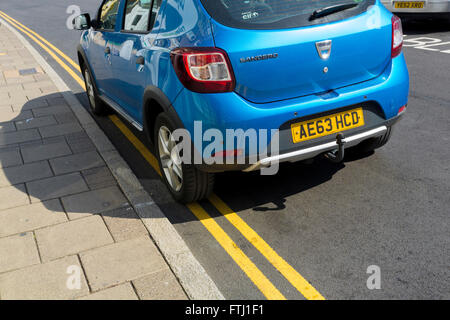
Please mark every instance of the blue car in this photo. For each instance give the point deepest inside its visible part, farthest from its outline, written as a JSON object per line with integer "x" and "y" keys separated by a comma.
{"x": 220, "y": 85}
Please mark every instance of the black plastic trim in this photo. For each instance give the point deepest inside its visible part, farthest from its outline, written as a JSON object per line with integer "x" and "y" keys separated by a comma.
{"x": 154, "y": 93}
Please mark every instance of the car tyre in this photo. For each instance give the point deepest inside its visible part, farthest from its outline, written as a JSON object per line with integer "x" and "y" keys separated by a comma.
{"x": 185, "y": 182}
{"x": 97, "y": 106}
{"x": 372, "y": 144}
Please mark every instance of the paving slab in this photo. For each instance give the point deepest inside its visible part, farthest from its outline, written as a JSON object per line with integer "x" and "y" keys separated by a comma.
{"x": 60, "y": 129}
{"x": 39, "y": 152}
{"x": 126, "y": 226}
{"x": 33, "y": 94}
{"x": 65, "y": 117}
{"x": 41, "y": 142}
{"x": 10, "y": 157}
{"x": 161, "y": 285}
{"x": 11, "y": 73}
{"x": 7, "y": 127}
{"x": 32, "y": 122}
{"x": 30, "y": 217}
{"x": 55, "y": 187}
{"x": 99, "y": 178}
{"x": 72, "y": 237}
{"x": 56, "y": 100}
{"x": 92, "y": 202}
{"x": 18, "y": 137}
{"x": 121, "y": 292}
{"x": 52, "y": 110}
{"x": 18, "y": 251}
{"x": 19, "y": 101}
{"x": 77, "y": 162}
{"x": 4, "y": 105}
{"x": 7, "y": 114}
{"x": 121, "y": 262}
{"x": 35, "y": 85}
{"x": 18, "y": 105}
{"x": 80, "y": 142}
{"x": 25, "y": 173}
{"x": 48, "y": 89}
{"x": 13, "y": 196}
{"x": 46, "y": 281}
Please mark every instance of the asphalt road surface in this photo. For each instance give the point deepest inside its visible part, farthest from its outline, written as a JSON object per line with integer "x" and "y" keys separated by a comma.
{"x": 330, "y": 222}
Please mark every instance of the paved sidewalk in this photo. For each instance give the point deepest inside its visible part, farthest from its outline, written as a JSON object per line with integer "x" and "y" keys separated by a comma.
{"x": 63, "y": 215}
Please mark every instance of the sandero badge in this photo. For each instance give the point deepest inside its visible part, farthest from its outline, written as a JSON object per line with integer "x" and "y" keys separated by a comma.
{"x": 259, "y": 57}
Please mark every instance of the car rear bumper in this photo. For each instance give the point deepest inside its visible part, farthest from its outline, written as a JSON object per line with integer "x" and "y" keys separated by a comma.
{"x": 310, "y": 151}
{"x": 314, "y": 151}
{"x": 318, "y": 149}
{"x": 381, "y": 99}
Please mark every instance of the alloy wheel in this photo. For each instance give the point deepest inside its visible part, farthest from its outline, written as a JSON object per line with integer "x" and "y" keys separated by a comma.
{"x": 170, "y": 159}
{"x": 89, "y": 88}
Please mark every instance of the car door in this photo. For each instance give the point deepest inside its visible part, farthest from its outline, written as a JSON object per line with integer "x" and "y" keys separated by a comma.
{"x": 100, "y": 52}
{"x": 133, "y": 50}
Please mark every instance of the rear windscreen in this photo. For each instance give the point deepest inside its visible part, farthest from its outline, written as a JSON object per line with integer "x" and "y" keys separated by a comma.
{"x": 279, "y": 14}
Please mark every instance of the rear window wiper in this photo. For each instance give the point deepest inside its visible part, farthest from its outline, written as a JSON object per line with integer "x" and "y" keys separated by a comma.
{"x": 319, "y": 13}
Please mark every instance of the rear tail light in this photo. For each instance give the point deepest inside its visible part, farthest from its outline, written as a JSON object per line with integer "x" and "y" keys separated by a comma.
{"x": 402, "y": 109}
{"x": 397, "y": 36}
{"x": 205, "y": 70}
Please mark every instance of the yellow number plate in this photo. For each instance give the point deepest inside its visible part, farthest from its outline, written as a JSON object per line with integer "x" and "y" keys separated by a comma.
{"x": 410, "y": 5}
{"x": 324, "y": 126}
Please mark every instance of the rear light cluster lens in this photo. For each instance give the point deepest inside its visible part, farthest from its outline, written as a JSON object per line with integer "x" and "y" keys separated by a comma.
{"x": 208, "y": 67}
{"x": 205, "y": 70}
{"x": 397, "y": 36}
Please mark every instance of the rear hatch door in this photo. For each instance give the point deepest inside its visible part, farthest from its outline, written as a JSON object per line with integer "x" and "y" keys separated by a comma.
{"x": 277, "y": 64}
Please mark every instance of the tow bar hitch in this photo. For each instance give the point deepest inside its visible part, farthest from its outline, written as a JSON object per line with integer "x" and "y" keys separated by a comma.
{"x": 337, "y": 156}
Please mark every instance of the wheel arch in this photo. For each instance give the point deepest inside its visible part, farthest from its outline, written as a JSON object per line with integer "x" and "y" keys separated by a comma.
{"x": 81, "y": 56}
{"x": 154, "y": 103}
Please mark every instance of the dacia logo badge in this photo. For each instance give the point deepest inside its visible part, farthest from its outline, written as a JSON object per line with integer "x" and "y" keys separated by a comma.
{"x": 324, "y": 49}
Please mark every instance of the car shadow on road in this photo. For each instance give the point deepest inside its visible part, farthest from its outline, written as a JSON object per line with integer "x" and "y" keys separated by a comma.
{"x": 260, "y": 193}
{"x": 423, "y": 26}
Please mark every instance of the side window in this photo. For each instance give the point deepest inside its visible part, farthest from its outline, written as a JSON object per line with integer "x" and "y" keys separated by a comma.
{"x": 108, "y": 14}
{"x": 137, "y": 13}
{"x": 140, "y": 15}
{"x": 155, "y": 9}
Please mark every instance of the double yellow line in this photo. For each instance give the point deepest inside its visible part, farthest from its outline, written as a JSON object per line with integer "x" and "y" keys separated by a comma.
{"x": 240, "y": 258}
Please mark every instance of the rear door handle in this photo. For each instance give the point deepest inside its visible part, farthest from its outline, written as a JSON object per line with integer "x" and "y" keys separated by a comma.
{"x": 107, "y": 50}
{"x": 140, "y": 60}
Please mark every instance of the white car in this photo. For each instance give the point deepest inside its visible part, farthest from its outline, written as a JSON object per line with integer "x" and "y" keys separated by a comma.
{"x": 424, "y": 7}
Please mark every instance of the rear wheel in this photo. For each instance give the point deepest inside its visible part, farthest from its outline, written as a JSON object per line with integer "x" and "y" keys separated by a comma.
{"x": 97, "y": 106}
{"x": 372, "y": 144}
{"x": 185, "y": 182}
